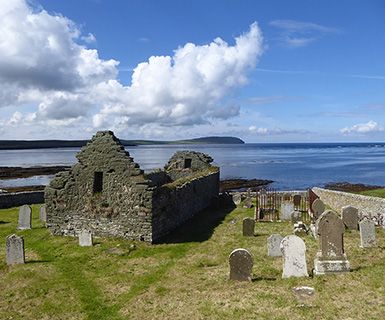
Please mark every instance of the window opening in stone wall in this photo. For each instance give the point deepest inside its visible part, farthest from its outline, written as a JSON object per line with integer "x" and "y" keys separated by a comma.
{"x": 187, "y": 163}
{"x": 98, "y": 182}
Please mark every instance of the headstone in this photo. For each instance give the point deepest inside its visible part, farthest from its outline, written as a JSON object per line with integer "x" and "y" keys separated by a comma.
{"x": 294, "y": 260}
{"x": 247, "y": 204}
{"x": 43, "y": 213}
{"x": 331, "y": 258}
{"x": 15, "y": 249}
{"x": 318, "y": 208}
{"x": 297, "y": 200}
{"x": 273, "y": 245}
{"x": 287, "y": 207}
{"x": 241, "y": 265}
{"x": 248, "y": 226}
{"x": 237, "y": 198}
{"x": 349, "y": 217}
{"x": 367, "y": 233}
{"x": 85, "y": 238}
{"x": 25, "y": 217}
{"x": 296, "y": 216}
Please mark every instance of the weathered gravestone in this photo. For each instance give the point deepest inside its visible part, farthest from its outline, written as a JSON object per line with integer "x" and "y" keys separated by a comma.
{"x": 237, "y": 198}
{"x": 296, "y": 216}
{"x": 367, "y": 233}
{"x": 247, "y": 204}
{"x": 318, "y": 208}
{"x": 15, "y": 250}
{"x": 43, "y": 214}
{"x": 248, "y": 226}
{"x": 294, "y": 260}
{"x": 241, "y": 265}
{"x": 349, "y": 217}
{"x": 331, "y": 258}
{"x": 287, "y": 207}
{"x": 297, "y": 201}
{"x": 273, "y": 245}
{"x": 25, "y": 217}
{"x": 85, "y": 238}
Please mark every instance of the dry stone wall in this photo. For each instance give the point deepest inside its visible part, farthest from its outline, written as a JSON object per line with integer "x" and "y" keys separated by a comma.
{"x": 9, "y": 200}
{"x": 372, "y": 207}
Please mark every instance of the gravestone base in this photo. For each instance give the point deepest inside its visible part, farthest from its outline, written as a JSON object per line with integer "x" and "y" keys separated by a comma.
{"x": 331, "y": 266}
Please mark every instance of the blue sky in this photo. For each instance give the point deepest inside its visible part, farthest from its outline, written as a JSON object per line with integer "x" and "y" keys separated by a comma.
{"x": 305, "y": 71}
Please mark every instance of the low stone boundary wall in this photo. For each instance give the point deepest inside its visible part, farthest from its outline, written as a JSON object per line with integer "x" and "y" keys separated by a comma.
{"x": 9, "y": 200}
{"x": 367, "y": 206}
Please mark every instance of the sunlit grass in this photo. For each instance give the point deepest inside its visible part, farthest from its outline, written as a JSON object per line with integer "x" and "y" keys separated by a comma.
{"x": 120, "y": 279}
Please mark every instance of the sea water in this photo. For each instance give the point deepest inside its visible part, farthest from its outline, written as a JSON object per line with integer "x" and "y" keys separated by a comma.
{"x": 290, "y": 165}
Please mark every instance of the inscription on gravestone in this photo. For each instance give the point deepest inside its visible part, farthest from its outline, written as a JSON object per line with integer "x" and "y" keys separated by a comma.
{"x": 14, "y": 249}
{"x": 273, "y": 245}
{"x": 241, "y": 265}
{"x": 367, "y": 233}
{"x": 331, "y": 258}
{"x": 25, "y": 217}
{"x": 294, "y": 260}
{"x": 248, "y": 226}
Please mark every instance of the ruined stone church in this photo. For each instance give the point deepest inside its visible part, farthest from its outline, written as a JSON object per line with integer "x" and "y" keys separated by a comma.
{"x": 107, "y": 193}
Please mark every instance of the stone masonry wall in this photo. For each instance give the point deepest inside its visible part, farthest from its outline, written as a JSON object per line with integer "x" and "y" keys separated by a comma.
{"x": 173, "y": 205}
{"x": 119, "y": 207}
{"x": 9, "y": 200}
{"x": 367, "y": 206}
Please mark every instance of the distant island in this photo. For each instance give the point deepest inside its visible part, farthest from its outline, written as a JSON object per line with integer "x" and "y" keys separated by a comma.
{"x": 42, "y": 144}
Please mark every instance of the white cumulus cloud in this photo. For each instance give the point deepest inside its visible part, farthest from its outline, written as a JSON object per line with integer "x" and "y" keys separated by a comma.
{"x": 363, "y": 128}
{"x": 45, "y": 62}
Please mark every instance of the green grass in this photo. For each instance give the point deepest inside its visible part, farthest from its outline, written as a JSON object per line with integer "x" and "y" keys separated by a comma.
{"x": 380, "y": 193}
{"x": 120, "y": 279}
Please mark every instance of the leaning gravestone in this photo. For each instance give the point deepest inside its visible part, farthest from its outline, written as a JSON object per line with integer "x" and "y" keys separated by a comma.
{"x": 367, "y": 233}
{"x": 349, "y": 217}
{"x": 241, "y": 265}
{"x": 237, "y": 198}
{"x": 318, "y": 208}
{"x": 287, "y": 207}
{"x": 331, "y": 257}
{"x": 248, "y": 226}
{"x": 273, "y": 245}
{"x": 85, "y": 238}
{"x": 15, "y": 250}
{"x": 43, "y": 214}
{"x": 25, "y": 217}
{"x": 247, "y": 204}
{"x": 294, "y": 260}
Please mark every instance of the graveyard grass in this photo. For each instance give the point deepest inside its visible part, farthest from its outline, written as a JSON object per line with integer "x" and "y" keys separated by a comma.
{"x": 184, "y": 278}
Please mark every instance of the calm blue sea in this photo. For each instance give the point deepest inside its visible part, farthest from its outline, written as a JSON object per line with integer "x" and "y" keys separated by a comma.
{"x": 291, "y": 166}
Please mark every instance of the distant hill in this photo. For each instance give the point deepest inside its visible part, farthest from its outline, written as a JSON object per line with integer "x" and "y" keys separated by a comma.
{"x": 42, "y": 144}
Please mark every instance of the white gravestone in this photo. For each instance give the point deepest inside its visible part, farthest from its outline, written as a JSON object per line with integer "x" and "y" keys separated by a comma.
{"x": 241, "y": 265}
{"x": 43, "y": 214}
{"x": 273, "y": 245}
{"x": 287, "y": 207}
{"x": 85, "y": 238}
{"x": 367, "y": 233}
{"x": 25, "y": 217}
{"x": 294, "y": 259}
{"x": 14, "y": 250}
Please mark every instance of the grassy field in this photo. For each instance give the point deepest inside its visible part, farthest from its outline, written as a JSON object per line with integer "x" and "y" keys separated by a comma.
{"x": 374, "y": 193}
{"x": 186, "y": 278}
